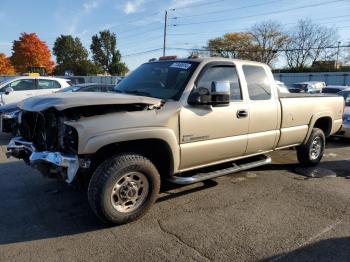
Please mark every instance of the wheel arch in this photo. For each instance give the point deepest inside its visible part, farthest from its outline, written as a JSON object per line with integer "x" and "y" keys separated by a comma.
{"x": 160, "y": 145}
{"x": 323, "y": 121}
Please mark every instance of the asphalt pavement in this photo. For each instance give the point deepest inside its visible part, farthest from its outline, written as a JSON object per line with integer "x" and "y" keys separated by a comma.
{"x": 271, "y": 213}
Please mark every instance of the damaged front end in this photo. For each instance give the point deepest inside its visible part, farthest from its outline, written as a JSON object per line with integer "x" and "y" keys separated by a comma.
{"x": 47, "y": 144}
{"x": 48, "y": 163}
{"x": 46, "y": 140}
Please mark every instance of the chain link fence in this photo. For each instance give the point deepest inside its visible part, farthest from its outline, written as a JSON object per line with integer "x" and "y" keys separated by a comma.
{"x": 330, "y": 78}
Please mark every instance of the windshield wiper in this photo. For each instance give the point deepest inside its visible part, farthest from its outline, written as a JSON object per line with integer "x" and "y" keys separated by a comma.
{"x": 137, "y": 92}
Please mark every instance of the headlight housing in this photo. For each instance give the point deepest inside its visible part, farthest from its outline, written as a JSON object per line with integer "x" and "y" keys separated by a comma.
{"x": 10, "y": 114}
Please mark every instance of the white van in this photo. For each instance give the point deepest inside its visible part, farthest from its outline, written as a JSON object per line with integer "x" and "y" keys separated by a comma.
{"x": 20, "y": 88}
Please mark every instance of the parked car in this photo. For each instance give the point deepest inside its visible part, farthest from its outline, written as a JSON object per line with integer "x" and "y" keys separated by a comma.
{"x": 311, "y": 87}
{"x": 168, "y": 120}
{"x": 282, "y": 88}
{"x": 345, "y": 131}
{"x": 333, "y": 89}
{"x": 19, "y": 88}
{"x": 89, "y": 87}
{"x": 8, "y": 118}
{"x": 76, "y": 80}
{"x": 9, "y": 112}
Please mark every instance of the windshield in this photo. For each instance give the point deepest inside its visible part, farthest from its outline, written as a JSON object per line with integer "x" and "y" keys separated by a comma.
{"x": 165, "y": 80}
{"x": 346, "y": 96}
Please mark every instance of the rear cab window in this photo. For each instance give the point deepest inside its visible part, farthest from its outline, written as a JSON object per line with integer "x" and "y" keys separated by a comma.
{"x": 258, "y": 84}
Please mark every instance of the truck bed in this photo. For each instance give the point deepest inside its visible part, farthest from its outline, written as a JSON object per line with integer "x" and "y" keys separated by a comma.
{"x": 298, "y": 112}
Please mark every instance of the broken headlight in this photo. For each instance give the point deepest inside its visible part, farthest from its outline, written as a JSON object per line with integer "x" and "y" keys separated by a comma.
{"x": 10, "y": 114}
{"x": 70, "y": 139}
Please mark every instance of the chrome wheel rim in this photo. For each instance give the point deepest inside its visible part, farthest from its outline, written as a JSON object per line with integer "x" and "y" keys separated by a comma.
{"x": 316, "y": 148}
{"x": 129, "y": 192}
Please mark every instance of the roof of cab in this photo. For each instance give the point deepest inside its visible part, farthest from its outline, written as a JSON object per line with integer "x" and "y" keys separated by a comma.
{"x": 209, "y": 59}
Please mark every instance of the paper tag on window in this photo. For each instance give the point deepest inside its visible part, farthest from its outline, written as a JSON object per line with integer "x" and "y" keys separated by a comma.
{"x": 181, "y": 65}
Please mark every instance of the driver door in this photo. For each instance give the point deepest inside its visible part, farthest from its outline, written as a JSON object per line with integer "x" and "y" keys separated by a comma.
{"x": 214, "y": 134}
{"x": 22, "y": 89}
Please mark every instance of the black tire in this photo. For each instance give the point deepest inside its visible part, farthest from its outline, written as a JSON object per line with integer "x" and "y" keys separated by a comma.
{"x": 103, "y": 183}
{"x": 305, "y": 152}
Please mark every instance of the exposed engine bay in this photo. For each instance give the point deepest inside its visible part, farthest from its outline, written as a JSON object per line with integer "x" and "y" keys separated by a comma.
{"x": 46, "y": 142}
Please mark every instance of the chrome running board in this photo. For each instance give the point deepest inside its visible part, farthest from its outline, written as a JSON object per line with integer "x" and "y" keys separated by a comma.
{"x": 184, "y": 180}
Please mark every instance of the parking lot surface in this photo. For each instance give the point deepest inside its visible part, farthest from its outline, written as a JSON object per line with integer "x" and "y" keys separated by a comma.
{"x": 272, "y": 213}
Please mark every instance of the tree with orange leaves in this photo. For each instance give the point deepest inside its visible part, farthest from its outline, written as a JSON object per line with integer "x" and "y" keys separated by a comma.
{"x": 28, "y": 51}
{"x": 6, "y": 68}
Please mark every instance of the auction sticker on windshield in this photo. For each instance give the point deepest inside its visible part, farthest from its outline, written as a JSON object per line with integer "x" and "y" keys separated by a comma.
{"x": 181, "y": 65}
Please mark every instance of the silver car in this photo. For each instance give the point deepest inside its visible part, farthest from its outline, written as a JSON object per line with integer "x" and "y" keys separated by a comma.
{"x": 346, "y": 117}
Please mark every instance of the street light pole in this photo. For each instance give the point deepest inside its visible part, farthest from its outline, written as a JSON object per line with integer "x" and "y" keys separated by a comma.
{"x": 165, "y": 28}
{"x": 338, "y": 54}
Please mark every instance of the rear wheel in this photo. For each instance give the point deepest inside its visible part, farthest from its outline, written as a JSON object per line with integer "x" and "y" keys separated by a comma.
{"x": 311, "y": 153}
{"x": 123, "y": 188}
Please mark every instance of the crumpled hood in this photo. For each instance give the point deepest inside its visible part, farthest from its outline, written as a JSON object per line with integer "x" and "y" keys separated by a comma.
{"x": 62, "y": 101}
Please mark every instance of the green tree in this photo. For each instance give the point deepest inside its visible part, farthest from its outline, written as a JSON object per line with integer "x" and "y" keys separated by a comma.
{"x": 105, "y": 53}
{"x": 232, "y": 45}
{"x": 72, "y": 55}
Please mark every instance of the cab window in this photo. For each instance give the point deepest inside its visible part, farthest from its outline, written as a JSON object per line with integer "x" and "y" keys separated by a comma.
{"x": 222, "y": 73}
{"x": 259, "y": 87}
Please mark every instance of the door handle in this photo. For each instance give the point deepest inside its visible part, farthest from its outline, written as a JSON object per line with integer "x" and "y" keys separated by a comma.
{"x": 242, "y": 113}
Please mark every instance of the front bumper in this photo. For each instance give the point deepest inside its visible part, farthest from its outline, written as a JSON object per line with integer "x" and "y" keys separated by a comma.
{"x": 20, "y": 148}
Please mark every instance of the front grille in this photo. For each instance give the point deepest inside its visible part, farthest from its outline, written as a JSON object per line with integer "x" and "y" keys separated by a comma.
{"x": 40, "y": 129}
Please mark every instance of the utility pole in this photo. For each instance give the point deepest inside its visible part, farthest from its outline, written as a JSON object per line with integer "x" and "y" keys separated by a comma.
{"x": 165, "y": 28}
{"x": 336, "y": 65}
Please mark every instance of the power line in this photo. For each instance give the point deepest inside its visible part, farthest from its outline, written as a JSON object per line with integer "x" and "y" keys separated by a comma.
{"x": 230, "y": 50}
{"x": 230, "y": 30}
{"x": 144, "y": 40}
{"x": 143, "y": 33}
{"x": 137, "y": 28}
{"x": 261, "y": 14}
{"x": 143, "y": 52}
{"x": 133, "y": 20}
{"x": 226, "y": 10}
{"x": 196, "y": 5}
{"x": 271, "y": 50}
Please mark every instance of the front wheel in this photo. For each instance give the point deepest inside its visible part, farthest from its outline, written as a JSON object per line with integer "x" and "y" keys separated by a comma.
{"x": 311, "y": 153}
{"x": 123, "y": 188}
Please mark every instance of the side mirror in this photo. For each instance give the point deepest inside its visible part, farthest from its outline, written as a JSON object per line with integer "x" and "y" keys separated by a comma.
{"x": 199, "y": 96}
{"x": 8, "y": 90}
{"x": 217, "y": 96}
{"x": 220, "y": 93}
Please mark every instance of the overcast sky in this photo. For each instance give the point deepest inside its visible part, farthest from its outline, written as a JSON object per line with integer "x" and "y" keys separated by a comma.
{"x": 139, "y": 23}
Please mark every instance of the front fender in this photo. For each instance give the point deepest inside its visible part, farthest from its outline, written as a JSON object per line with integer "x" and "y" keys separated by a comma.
{"x": 94, "y": 143}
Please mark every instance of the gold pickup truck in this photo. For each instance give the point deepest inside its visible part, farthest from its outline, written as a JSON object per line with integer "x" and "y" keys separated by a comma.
{"x": 170, "y": 119}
